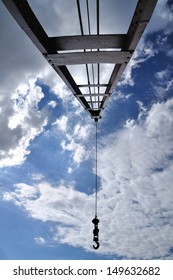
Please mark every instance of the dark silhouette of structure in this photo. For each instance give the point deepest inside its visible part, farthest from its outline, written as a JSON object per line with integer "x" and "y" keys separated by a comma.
{"x": 95, "y": 221}
{"x": 93, "y": 49}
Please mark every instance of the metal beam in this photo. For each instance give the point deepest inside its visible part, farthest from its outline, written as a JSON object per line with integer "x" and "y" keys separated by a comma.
{"x": 78, "y": 42}
{"x": 89, "y": 57}
{"x": 92, "y": 94}
{"x": 94, "y": 85}
{"x": 116, "y": 74}
{"x": 140, "y": 19}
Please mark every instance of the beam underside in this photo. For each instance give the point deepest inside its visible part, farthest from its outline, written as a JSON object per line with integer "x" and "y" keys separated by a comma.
{"x": 55, "y": 49}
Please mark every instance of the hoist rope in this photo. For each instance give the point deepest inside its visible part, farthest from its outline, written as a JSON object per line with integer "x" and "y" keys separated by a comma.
{"x": 96, "y": 179}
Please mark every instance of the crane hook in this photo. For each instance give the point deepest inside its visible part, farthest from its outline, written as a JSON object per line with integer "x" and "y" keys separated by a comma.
{"x": 97, "y": 246}
{"x": 95, "y": 221}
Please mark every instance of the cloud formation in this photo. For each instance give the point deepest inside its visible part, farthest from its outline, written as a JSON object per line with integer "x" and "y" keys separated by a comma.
{"x": 135, "y": 200}
{"x": 144, "y": 52}
{"x": 21, "y": 122}
{"x": 164, "y": 83}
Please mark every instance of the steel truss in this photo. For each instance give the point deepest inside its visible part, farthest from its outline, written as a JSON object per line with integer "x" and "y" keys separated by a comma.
{"x": 85, "y": 49}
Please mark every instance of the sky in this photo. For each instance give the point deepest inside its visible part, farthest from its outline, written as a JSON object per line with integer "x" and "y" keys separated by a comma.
{"x": 47, "y": 145}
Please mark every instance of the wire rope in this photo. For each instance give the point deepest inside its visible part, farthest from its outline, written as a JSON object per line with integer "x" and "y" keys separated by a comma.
{"x": 98, "y": 31}
{"x": 82, "y": 32}
{"x": 96, "y": 166}
{"x": 89, "y": 32}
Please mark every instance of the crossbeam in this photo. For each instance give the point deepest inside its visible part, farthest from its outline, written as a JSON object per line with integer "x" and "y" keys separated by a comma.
{"x": 78, "y": 42}
{"x": 89, "y": 57}
{"x": 93, "y": 85}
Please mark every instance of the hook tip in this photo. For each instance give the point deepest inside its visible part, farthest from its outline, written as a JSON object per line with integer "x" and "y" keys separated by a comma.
{"x": 97, "y": 246}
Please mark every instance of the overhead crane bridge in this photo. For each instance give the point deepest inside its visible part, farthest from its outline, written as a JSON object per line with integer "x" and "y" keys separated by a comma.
{"x": 92, "y": 50}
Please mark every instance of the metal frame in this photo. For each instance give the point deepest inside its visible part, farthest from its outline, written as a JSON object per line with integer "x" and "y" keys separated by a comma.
{"x": 57, "y": 50}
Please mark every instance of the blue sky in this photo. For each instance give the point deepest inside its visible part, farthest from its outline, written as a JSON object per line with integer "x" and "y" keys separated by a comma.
{"x": 47, "y": 170}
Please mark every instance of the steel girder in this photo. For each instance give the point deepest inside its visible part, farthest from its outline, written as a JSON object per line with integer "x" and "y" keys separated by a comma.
{"x": 54, "y": 50}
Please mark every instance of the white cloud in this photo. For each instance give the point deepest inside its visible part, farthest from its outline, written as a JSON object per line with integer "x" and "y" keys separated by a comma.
{"x": 82, "y": 131}
{"x": 75, "y": 137}
{"x": 60, "y": 90}
{"x": 77, "y": 141}
{"x": 164, "y": 83}
{"x": 170, "y": 53}
{"x": 23, "y": 191}
{"x": 162, "y": 18}
{"x": 52, "y": 104}
{"x": 40, "y": 240}
{"x": 37, "y": 177}
{"x": 61, "y": 204}
{"x": 143, "y": 53}
{"x": 25, "y": 103}
{"x": 161, "y": 74}
{"x": 119, "y": 95}
{"x": 70, "y": 170}
{"x": 79, "y": 153}
{"x": 21, "y": 123}
{"x": 135, "y": 195}
{"x": 62, "y": 123}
